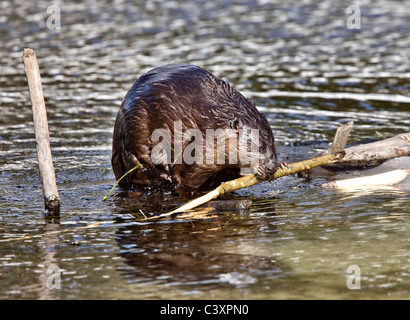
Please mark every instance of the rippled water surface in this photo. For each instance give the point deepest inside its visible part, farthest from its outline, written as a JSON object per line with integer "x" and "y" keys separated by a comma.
{"x": 301, "y": 65}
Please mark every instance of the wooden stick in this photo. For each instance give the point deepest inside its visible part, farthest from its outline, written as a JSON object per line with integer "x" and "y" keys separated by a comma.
{"x": 50, "y": 192}
{"x": 250, "y": 180}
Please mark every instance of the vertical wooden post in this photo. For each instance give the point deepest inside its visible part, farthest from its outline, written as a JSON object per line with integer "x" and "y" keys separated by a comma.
{"x": 50, "y": 192}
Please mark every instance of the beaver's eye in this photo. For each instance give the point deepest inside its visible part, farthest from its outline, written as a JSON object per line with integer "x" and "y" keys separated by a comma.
{"x": 262, "y": 149}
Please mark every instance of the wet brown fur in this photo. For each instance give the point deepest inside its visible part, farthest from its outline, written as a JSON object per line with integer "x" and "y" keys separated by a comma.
{"x": 199, "y": 100}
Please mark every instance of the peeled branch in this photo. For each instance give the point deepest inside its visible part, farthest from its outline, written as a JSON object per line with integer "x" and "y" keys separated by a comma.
{"x": 383, "y": 179}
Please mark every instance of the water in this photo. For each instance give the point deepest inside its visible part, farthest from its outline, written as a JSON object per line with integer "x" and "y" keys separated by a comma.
{"x": 302, "y": 67}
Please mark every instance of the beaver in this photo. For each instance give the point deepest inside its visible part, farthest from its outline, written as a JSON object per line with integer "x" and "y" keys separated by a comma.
{"x": 171, "y": 124}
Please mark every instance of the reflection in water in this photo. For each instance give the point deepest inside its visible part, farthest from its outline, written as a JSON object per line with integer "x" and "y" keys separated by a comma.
{"x": 169, "y": 253}
{"x": 300, "y": 65}
{"x": 188, "y": 250}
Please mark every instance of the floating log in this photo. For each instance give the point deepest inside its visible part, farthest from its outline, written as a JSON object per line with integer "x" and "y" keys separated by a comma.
{"x": 50, "y": 192}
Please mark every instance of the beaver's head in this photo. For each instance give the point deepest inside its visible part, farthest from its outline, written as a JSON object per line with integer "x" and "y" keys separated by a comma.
{"x": 257, "y": 149}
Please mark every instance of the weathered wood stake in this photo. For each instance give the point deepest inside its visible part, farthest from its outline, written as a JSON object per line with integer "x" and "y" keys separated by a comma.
{"x": 50, "y": 192}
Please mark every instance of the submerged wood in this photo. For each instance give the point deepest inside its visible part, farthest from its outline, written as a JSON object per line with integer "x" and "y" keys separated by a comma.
{"x": 50, "y": 192}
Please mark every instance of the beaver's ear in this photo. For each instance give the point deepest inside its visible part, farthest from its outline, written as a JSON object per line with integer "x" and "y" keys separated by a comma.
{"x": 234, "y": 123}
